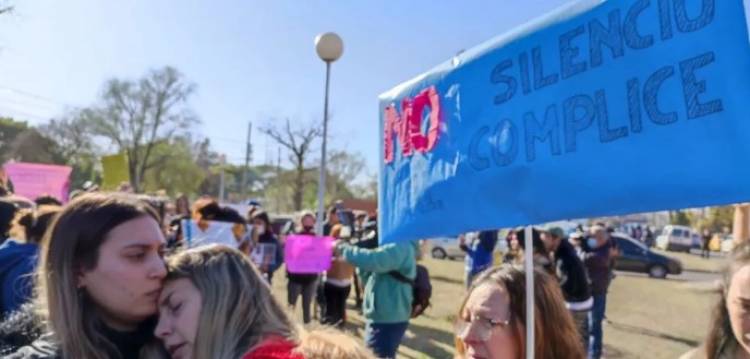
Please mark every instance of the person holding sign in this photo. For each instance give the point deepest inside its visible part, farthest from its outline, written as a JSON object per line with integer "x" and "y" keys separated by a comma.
{"x": 266, "y": 253}
{"x": 303, "y": 283}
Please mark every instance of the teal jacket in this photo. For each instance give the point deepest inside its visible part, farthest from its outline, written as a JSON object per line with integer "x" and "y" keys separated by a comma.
{"x": 387, "y": 300}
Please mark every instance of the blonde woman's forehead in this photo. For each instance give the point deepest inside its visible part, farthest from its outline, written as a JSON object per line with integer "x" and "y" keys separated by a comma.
{"x": 177, "y": 288}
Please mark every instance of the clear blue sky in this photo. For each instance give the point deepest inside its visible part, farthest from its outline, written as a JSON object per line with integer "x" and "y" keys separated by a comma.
{"x": 251, "y": 60}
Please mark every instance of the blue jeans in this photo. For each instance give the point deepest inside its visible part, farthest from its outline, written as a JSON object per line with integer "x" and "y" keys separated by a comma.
{"x": 384, "y": 338}
{"x": 596, "y": 335}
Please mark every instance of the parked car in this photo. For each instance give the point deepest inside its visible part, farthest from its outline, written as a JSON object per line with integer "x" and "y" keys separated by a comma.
{"x": 444, "y": 248}
{"x": 636, "y": 257}
{"x": 677, "y": 238}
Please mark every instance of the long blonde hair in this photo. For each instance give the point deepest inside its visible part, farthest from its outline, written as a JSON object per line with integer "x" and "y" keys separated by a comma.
{"x": 72, "y": 243}
{"x": 238, "y": 310}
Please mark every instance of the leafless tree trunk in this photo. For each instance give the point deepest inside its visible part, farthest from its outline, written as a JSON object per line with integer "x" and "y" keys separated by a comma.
{"x": 298, "y": 141}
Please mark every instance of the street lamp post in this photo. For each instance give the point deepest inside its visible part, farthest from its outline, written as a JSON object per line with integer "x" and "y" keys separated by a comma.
{"x": 329, "y": 48}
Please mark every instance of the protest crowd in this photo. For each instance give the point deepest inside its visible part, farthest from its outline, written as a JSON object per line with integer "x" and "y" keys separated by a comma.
{"x": 120, "y": 275}
{"x": 574, "y": 115}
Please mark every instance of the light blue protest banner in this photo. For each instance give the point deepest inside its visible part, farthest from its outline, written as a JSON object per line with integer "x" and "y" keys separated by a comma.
{"x": 600, "y": 108}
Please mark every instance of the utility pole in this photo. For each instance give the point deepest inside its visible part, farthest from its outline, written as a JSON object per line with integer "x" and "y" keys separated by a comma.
{"x": 221, "y": 178}
{"x": 278, "y": 180}
{"x": 248, "y": 152}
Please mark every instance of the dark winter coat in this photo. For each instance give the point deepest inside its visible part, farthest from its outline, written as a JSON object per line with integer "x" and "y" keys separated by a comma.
{"x": 17, "y": 264}
{"x": 572, "y": 274}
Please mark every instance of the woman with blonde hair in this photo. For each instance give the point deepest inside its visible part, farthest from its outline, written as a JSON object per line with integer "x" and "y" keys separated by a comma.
{"x": 492, "y": 319}
{"x": 216, "y": 304}
{"x": 98, "y": 280}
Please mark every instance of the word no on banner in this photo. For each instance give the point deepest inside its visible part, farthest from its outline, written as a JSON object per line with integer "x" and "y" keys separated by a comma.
{"x": 599, "y": 108}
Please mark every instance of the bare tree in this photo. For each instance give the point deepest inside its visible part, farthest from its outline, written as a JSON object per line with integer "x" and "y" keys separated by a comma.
{"x": 299, "y": 142}
{"x": 135, "y": 116}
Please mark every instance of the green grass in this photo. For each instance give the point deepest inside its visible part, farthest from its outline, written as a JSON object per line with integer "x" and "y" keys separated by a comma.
{"x": 649, "y": 318}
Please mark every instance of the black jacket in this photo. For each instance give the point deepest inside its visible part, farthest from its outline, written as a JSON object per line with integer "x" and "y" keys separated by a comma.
{"x": 572, "y": 274}
{"x": 22, "y": 336}
{"x": 22, "y": 329}
{"x": 598, "y": 263}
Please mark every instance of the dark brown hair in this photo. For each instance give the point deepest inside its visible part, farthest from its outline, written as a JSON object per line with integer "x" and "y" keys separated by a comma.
{"x": 555, "y": 333}
{"x": 720, "y": 337}
{"x": 263, "y": 216}
{"x": 32, "y": 225}
{"x": 73, "y": 242}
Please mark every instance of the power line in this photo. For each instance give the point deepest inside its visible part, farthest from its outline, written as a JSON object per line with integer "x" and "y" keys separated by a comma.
{"x": 23, "y": 114}
{"x": 29, "y": 94}
{"x": 21, "y": 103}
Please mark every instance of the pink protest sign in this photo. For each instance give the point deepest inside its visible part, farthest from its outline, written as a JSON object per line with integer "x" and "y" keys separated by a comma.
{"x": 32, "y": 180}
{"x": 308, "y": 254}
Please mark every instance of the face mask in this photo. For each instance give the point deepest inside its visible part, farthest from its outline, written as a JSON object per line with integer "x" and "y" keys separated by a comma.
{"x": 261, "y": 230}
{"x": 592, "y": 242}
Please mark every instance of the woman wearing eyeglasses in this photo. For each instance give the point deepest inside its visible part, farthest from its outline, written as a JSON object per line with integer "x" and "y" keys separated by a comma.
{"x": 492, "y": 319}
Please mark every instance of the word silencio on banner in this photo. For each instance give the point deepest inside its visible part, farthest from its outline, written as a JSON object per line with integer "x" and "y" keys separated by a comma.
{"x": 525, "y": 73}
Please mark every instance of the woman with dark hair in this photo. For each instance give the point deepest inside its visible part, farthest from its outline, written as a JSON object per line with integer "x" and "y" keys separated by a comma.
{"x": 303, "y": 284}
{"x": 267, "y": 254}
{"x": 18, "y": 257}
{"x": 729, "y": 336}
{"x": 542, "y": 258}
{"x": 182, "y": 205}
{"x": 492, "y": 319}
{"x": 98, "y": 281}
{"x": 515, "y": 253}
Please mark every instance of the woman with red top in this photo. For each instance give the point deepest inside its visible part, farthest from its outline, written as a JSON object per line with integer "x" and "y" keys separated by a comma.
{"x": 215, "y": 304}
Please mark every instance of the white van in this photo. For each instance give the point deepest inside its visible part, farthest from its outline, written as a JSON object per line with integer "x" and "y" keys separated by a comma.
{"x": 677, "y": 238}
